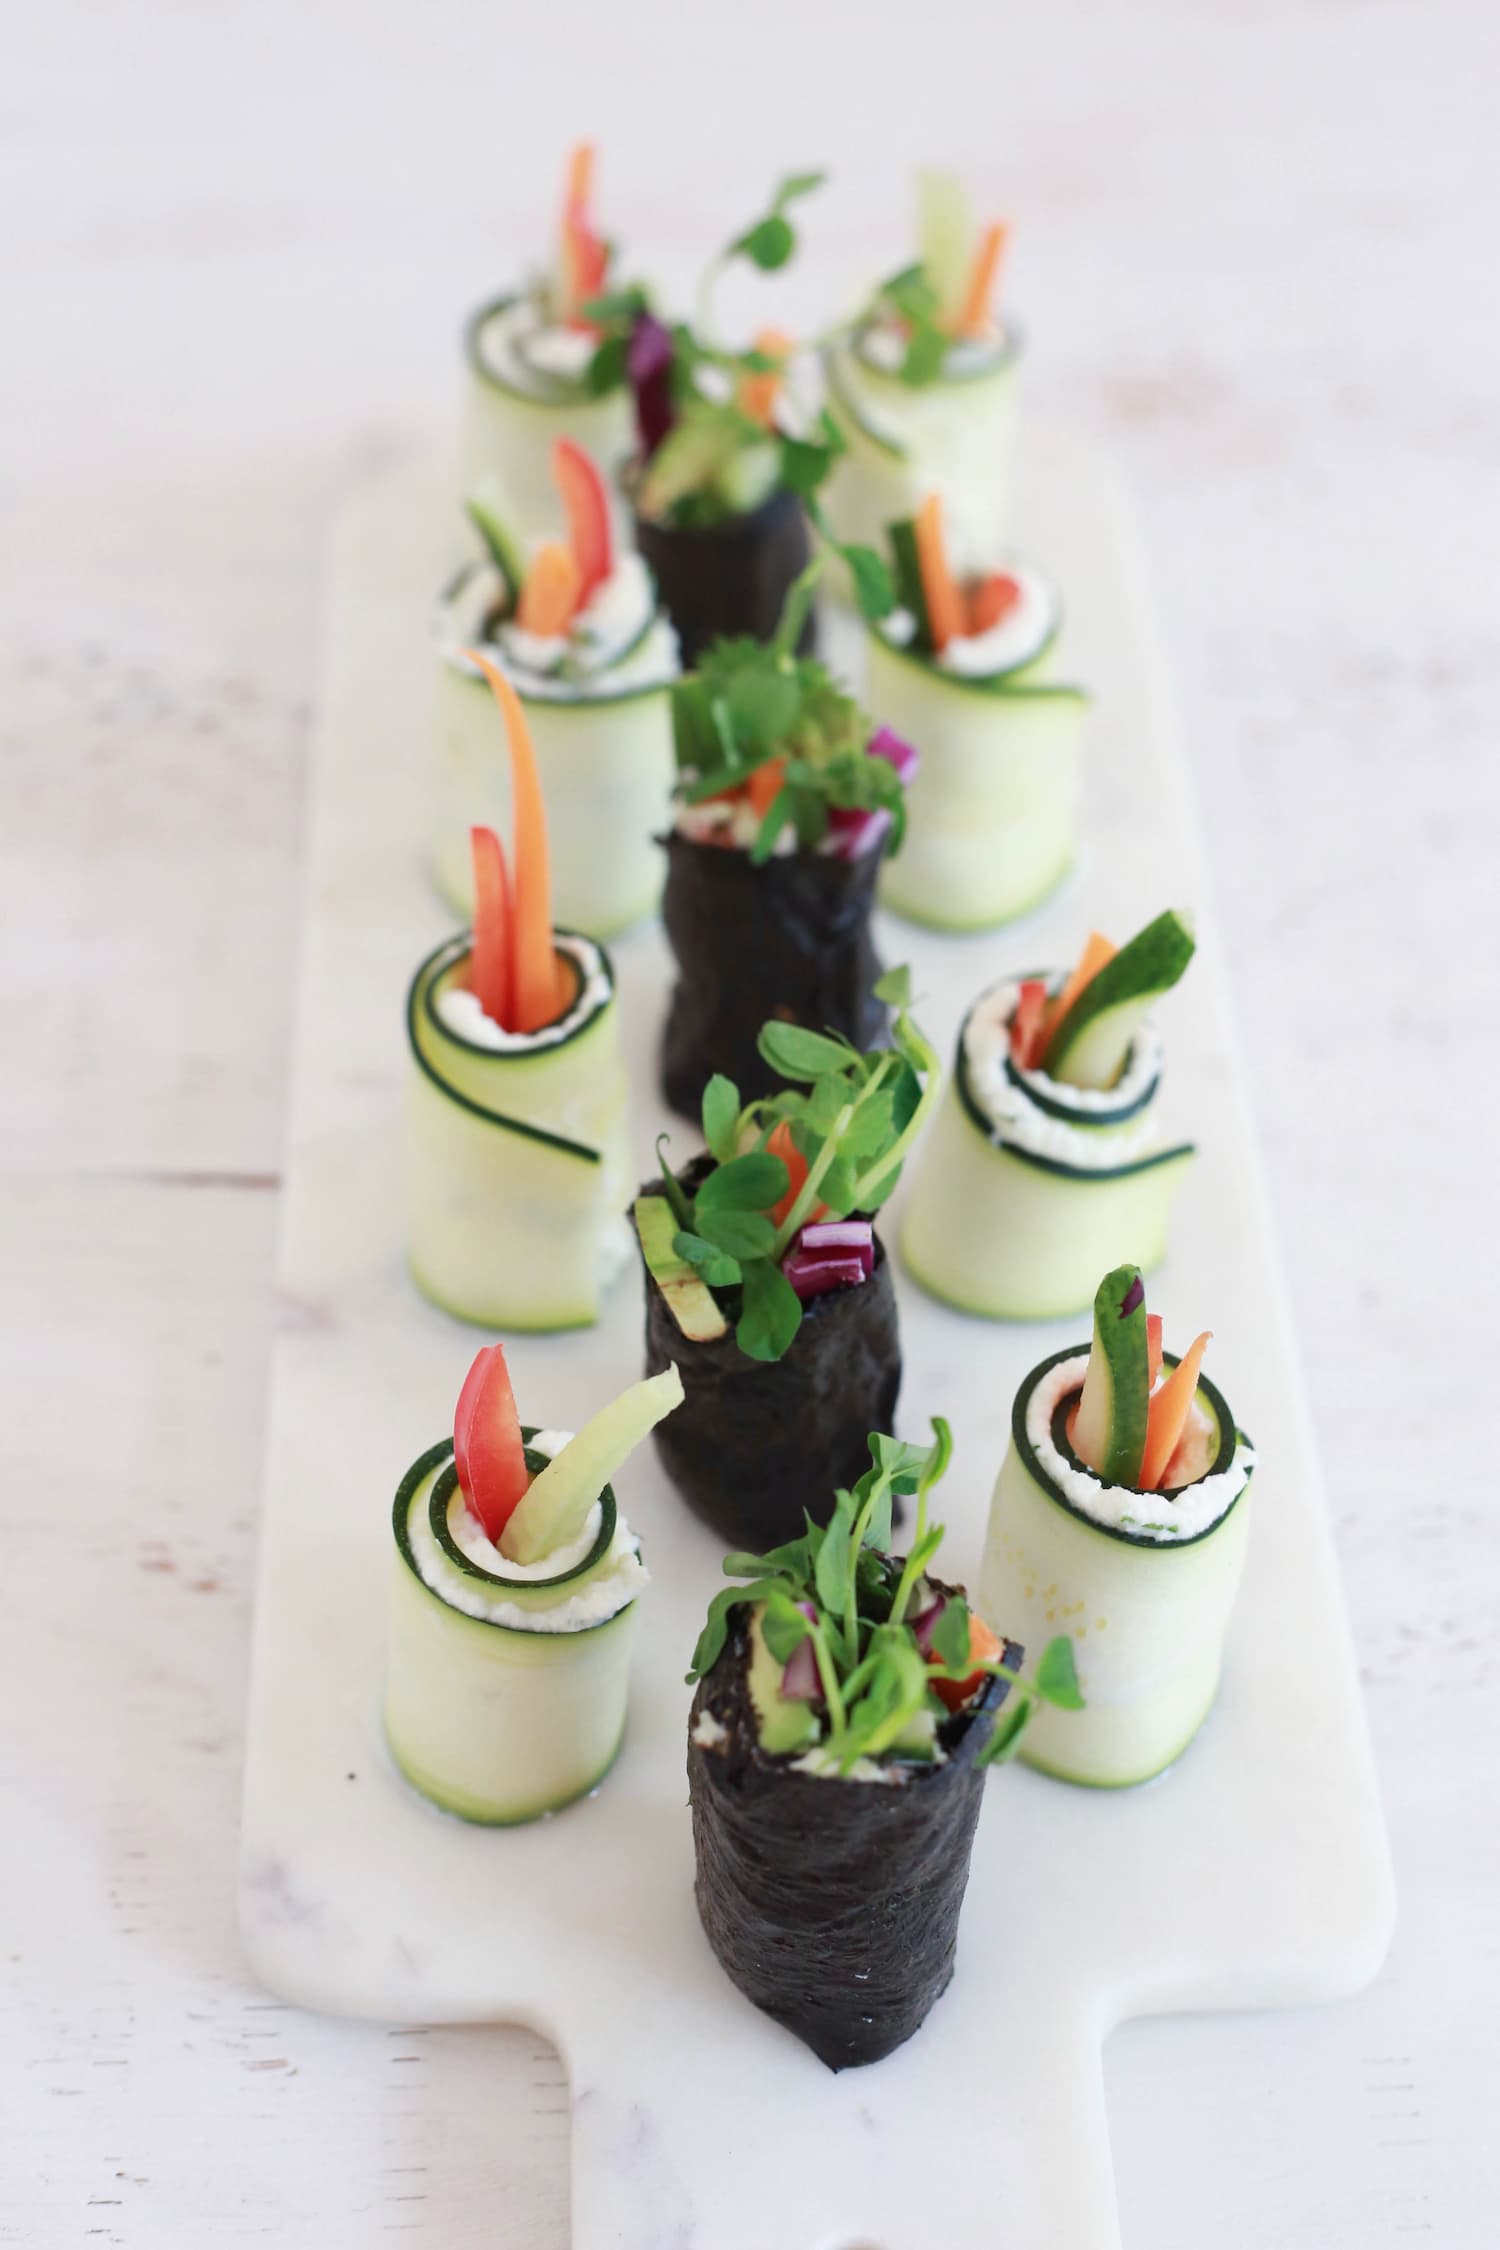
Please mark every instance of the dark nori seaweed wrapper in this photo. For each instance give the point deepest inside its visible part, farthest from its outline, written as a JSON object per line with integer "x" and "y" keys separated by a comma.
{"x": 729, "y": 578}
{"x": 755, "y": 1443}
{"x": 789, "y": 939}
{"x": 832, "y": 1904}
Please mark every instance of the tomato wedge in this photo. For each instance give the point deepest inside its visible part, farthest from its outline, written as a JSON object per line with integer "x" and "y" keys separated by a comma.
{"x": 488, "y": 1453}
{"x": 1026, "y": 1024}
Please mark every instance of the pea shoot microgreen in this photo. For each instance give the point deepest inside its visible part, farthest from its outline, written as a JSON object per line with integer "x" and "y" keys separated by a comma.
{"x": 840, "y": 1589}
{"x": 851, "y": 1118}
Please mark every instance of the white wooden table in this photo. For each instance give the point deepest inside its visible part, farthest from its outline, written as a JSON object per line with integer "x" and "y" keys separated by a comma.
{"x": 1255, "y": 248}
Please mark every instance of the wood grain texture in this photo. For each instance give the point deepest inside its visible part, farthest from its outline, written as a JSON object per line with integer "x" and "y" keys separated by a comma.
{"x": 234, "y": 249}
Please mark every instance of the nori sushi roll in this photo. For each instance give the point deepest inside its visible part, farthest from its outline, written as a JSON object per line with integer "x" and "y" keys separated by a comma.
{"x": 759, "y": 1443}
{"x": 768, "y": 1288}
{"x": 789, "y": 798}
{"x": 730, "y": 574}
{"x": 848, "y": 1704}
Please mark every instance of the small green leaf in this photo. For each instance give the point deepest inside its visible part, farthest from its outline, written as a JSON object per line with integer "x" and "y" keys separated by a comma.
{"x": 772, "y": 1312}
{"x": 870, "y": 1198}
{"x": 762, "y": 706}
{"x": 1009, "y": 1728}
{"x": 926, "y": 352}
{"x": 950, "y": 1635}
{"x": 606, "y": 371}
{"x": 752, "y": 1182}
{"x": 721, "y": 1115}
{"x": 839, "y": 1187}
{"x": 716, "y": 1626}
{"x": 804, "y": 465}
{"x": 716, "y": 1268}
{"x": 783, "y": 1626}
{"x": 894, "y": 988}
{"x": 1057, "y": 1674}
{"x": 798, "y": 1053}
{"x": 832, "y": 1575}
{"x": 739, "y": 1234}
{"x": 768, "y": 244}
{"x": 796, "y": 184}
{"x": 681, "y": 1209}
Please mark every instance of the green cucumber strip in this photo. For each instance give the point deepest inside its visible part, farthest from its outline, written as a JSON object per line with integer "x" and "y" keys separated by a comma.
{"x": 501, "y": 545}
{"x": 1110, "y": 1433}
{"x": 945, "y": 236}
{"x": 555, "y": 1506}
{"x": 689, "y": 1299}
{"x": 784, "y": 1723}
{"x": 748, "y": 478}
{"x": 903, "y": 539}
{"x": 1089, "y": 1046}
{"x": 690, "y": 457}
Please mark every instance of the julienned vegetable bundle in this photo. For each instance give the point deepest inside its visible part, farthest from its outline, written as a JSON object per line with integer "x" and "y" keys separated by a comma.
{"x": 632, "y": 702}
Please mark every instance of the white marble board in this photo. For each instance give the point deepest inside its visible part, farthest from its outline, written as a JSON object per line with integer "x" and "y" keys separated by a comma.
{"x": 1254, "y": 1875}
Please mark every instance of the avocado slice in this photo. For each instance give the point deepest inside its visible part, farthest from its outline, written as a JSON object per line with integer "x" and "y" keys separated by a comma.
{"x": 555, "y": 1505}
{"x": 908, "y": 576}
{"x": 501, "y": 544}
{"x": 691, "y": 458}
{"x": 1089, "y": 1046}
{"x": 690, "y": 1301}
{"x": 784, "y": 1723}
{"x": 1110, "y": 1432}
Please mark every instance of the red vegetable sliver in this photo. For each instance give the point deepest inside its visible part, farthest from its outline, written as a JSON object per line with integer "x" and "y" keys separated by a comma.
{"x": 587, "y": 505}
{"x": 1026, "y": 1024}
{"x": 780, "y": 1143}
{"x": 896, "y": 751}
{"x": 492, "y": 1471}
{"x": 1153, "y": 1348}
{"x": 490, "y": 961}
{"x": 814, "y": 1277}
{"x": 801, "y": 1682}
{"x": 983, "y": 1645}
{"x": 854, "y": 834}
{"x": 854, "y": 1237}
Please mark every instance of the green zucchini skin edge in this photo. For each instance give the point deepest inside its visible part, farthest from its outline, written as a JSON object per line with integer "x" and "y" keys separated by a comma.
{"x": 455, "y": 587}
{"x": 564, "y": 395}
{"x": 1045, "y": 1102}
{"x": 1230, "y": 1439}
{"x": 452, "y": 1810}
{"x": 443, "y": 1488}
{"x": 421, "y": 990}
{"x": 422, "y": 1467}
{"x": 1000, "y": 687}
{"x": 1052, "y": 1164}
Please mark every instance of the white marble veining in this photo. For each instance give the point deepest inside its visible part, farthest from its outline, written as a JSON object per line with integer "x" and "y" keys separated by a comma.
{"x": 1250, "y": 255}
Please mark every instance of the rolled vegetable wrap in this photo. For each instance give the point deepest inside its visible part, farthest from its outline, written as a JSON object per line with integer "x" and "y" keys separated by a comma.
{"x": 517, "y": 1147}
{"x": 767, "y": 1287}
{"x": 1121, "y": 1512}
{"x": 730, "y": 575}
{"x": 540, "y": 367}
{"x": 924, "y": 388}
{"x": 513, "y": 1605}
{"x": 847, "y": 1706}
{"x": 1047, "y": 1160}
{"x": 788, "y": 798}
{"x": 969, "y": 666}
{"x": 577, "y": 630}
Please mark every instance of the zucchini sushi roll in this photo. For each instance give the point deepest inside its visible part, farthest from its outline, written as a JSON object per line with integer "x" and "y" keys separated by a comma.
{"x": 513, "y": 1603}
{"x": 517, "y": 1154}
{"x": 726, "y": 455}
{"x": 1047, "y": 1160}
{"x": 576, "y": 627}
{"x": 923, "y": 386}
{"x": 767, "y": 1285}
{"x": 967, "y": 664}
{"x": 789, "y": 797}
{"x": 848, "y": 1704}
{"x": 547, "y": 360}
{"x": 1122, "y": 1511}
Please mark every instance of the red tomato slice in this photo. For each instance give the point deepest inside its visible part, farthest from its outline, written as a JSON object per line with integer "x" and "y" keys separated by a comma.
{"x": 982, "y": 1646}
{"x": 487, "y": 1448}
{"x": 992, "y": 600}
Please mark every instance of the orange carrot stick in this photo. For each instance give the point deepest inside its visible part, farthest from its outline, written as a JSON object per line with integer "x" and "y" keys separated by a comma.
{"x": 536, "y": 979}
{"x": 490, "y": 961}
{"x": 1090, "y": 962}
{"x": 780, "y": 1143}
{"x": 1166, "y": 1417}
{"x": 757, "y": 394}
{"x": 579, "y": 192}
{"x": 763, "y": 787}
{"x": 940, "y": 590}
{"x": 1153, "y": 1349}
{"x": 551, "y": 593}
{"x": 974, "y": 318}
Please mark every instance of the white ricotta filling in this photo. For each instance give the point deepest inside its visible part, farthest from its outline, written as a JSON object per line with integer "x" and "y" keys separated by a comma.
{"x": 881, "y": 344}
{"x": 1019, "y": 637}
{"x": 1014, "y": 1117}
{"x": 709, "y": 1733}
{"x": 1149, "y": 1515}
{"x": 518, "y": 342}
{"x": 732, "y": 822}
{"x": 459, "y": 1011}
{"x": 617, "y": 641}
{"x": 620, "y": 1578}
